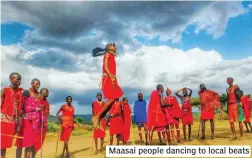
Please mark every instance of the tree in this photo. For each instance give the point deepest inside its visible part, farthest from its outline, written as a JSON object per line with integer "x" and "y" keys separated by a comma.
{"x": 195, "y": 102}
{"x": 223, "y": 99}
{"x": 79, "y": 120}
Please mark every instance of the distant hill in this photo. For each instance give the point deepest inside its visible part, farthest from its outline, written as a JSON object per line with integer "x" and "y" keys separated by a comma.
{"x": 87, "y": 118}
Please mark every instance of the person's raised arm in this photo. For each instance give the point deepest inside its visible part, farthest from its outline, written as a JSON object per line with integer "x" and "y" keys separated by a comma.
{"x": 190, "y": 92}
{"x": 177, "y": 93}
{"x": 2, "y": 96}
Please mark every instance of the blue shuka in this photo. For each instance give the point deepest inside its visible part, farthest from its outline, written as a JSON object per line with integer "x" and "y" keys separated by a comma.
{"x": 140, "y": 114}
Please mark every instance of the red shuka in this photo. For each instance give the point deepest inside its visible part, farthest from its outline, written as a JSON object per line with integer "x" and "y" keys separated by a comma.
{"x": 187, "y": 116}
{"x": 11, "y": 107}
{"x": 126, "y": 122}
{"x": 209, "y": 101}
{"x": 108, "y": 90}
{"x": 156, "y": 117}
{"x": 38, "y": 135}
{"x": 99, "y": 133}
{"x": 67, "y": 122}
{"x": 245, "y": 101}
{"x": 175, "y": 109}
{"x": 116, "y": 122}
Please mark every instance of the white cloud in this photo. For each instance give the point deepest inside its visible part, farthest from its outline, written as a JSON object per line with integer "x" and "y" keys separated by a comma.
{"x": 142, "y": 69}
{"x": 214, "y": 17}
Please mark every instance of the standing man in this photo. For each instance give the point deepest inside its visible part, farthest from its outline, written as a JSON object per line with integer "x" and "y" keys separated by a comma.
{"x": 11, "y": 105}
{"x": 45, "y": 112}
{"x": 67, "y": 124}
{"x": 187, "y": 115}
{"x": 116, "y": 121}
{"x": 173, "y": 114}
{"x": 31, "y": 122}
{"x": 110, "y": 88}
{"x": 140, "y": 117}
{"x": 209, "y": 102}
{"x": 156, "y": 117}
{"x": 235, "y": 112}
{"x": 246, "y": 105}
{"x": 126, "y": 121}
{"x": 99, "y": 133}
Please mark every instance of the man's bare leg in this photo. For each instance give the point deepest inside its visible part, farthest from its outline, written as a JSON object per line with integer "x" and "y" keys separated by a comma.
{"x": 168, "y": 136}
{"x": 111, "y": 140}
{"x": 246, "y": 125}
{"x": 212, "y": 128}
{"x": 96, "y": 145}
{"x": 146, "y": 134}
{"x": 184, "y": 131}
{"x": 160, "y": 138}
{"x": 29, "y": 152}
{"x": 102, "y": 142}
{"x": 118, "y": 136}
{"x": 203, "y": 129}
{"x": 241, "y": 129}
{"x": 233, "y": 130}
{"x": 102, "y": 113}
{"x": 3, "y": 153}
{"x": 19, "y": 152}
{"x": 249, "y": 123}
{"x": 189, "y": 132}
{"x": 140, "y": 134}
{"x": 178, "y": 133}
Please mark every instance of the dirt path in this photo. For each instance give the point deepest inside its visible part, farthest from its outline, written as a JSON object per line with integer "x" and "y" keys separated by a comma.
{"x": 81, "y": 146}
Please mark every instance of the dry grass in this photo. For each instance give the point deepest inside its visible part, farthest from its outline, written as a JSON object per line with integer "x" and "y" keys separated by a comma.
{"x": 81, "y": 141}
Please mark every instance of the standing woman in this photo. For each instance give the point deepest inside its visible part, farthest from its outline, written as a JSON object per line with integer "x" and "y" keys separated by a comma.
{"x": 109, "y": 85}
{"x": 67, "y": 123}
{"x": 187, "y": 115}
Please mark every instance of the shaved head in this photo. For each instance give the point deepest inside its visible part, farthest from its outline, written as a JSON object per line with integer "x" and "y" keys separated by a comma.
{"x": 13, "y": 74}
{"x": 160, "y": 88}
{"x": 230, "y": 80}
{"x": 44, "y": 89}
{"x": 35, "y": 80}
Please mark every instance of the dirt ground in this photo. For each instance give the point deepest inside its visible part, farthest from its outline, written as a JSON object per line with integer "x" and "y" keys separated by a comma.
{"x": 80, "y": 144}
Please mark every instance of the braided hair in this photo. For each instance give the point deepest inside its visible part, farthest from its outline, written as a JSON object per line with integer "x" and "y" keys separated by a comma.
{"x": 101, "y": 51}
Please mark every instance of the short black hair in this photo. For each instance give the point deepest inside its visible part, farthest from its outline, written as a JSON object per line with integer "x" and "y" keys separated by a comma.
{"x": 124, "y": 98}
{"x": 12, "y": 74}
{"x": 99, "y": 93}
{"x": 159, "y": 86}
{"x": 69, "y": 97}
{"x": 35, "y": 79}
{"x": 44, "y": 89}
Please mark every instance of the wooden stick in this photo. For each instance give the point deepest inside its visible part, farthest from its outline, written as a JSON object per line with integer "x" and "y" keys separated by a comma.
{"x": 199, "y": 129}
{"x": 57, "y": 143}
{"x": 12, "y": 136}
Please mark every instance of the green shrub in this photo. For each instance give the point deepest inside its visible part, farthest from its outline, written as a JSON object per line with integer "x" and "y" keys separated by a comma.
{"x": 53, "y": 127}
{"x": 79, "y": 120}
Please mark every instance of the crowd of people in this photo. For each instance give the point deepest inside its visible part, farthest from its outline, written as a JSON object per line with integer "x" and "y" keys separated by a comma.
{"x": 24, "y": 117}
{"x": 163, "y": 112}
{"x": 24, "y": 112}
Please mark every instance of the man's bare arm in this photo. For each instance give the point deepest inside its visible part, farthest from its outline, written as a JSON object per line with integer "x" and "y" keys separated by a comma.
{"x": 190, "y": 92}
{"x": 177, "y": 93}
{"x": 2, "y": 96}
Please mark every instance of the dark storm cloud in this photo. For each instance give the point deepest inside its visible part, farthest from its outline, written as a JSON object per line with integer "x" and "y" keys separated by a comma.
{"x": 61, "y": 23}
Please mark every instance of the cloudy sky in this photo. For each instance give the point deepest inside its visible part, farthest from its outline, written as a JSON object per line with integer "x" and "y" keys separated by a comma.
{"x": 178, "y": 44}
